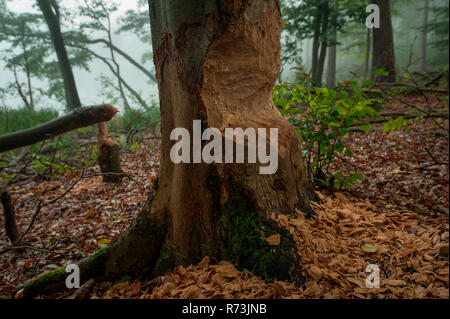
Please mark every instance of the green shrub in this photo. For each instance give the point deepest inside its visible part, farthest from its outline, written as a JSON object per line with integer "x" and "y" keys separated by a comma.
{"x": 323, "y": 118}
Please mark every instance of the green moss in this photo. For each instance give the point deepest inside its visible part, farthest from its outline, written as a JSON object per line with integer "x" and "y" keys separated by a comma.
{"x": 54, "y": 276}
{"x": 96, "y": 262}
{"x": 164, "y": 261}
{"x": 247, "y": 245}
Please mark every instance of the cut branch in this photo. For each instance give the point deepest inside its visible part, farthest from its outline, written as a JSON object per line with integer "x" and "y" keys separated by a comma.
{"x": 77, "y": 119}
{"x": 415, "y": 87}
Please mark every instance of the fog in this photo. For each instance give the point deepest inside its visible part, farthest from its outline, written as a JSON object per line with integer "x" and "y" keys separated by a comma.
{"x": 89, "y": 87}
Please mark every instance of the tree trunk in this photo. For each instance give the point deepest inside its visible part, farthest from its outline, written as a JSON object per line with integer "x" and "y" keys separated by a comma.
{"x": 51, "y": 15}
{"x": 367, "y": 59}
{"x": 316, "y": 44}
{"x": 10, "y": 216}
{"x": 325, "y": 9}
{"x": 108, "y": 156}
{"x": 216, "y": 61}
{"x": 423, "y": 39}
{"x": 109, "y": 160}
{"x": 383, "y": 56}
{"x": 331, "y": 68}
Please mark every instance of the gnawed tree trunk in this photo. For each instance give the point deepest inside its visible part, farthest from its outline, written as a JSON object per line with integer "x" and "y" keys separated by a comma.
{"x": 108, "y": 156}
{"x": 216, "y": 61}
{"x": 383, "y": 56}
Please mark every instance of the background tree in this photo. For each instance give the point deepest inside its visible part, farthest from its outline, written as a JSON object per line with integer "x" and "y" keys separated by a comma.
{"x": 320, "y": 21}
{"x": 108, "y": 159}
{"x": 383, "y": 56}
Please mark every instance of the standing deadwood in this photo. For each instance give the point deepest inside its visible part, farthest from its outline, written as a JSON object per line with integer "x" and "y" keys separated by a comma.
{"x": 216, "y": 61}
{"x": 108, "y": 156}
{"x": 383, "y": 56}
{"x": 10, "y": 217}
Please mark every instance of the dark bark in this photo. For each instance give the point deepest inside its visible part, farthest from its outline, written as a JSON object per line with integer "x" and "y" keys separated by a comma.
{"x": 317, "y": 77}
{"x": 50, "y": 10}
{"x": 368, "y": 49}
{"x": 383, "y": 56}
{"x": 79, "y": 118}
{"x": 316, "y": 44}
{"x": 10, "y": 217}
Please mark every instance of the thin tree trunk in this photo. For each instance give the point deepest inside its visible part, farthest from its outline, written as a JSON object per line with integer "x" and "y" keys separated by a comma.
{"x": 323, "y": 44}
{"x": 423, "y": 39}
{"x": 368, "y": 49}
{"x": 316, "y": 44}
{"x": 27, "y": 70}
{"x": 331, "y": 79}
{"x": 51, "y": 14}
{"x": 383, "y": 56}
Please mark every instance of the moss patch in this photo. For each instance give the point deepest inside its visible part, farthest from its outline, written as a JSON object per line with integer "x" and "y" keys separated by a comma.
{"x": 37, "y": 285}
{"x": 248, "y": 248}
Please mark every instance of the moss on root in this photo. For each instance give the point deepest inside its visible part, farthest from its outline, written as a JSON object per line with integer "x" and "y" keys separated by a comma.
{"x": 245, "y": 237}
{"x": 248, "y": 248}
{"x": 44, "y": 282}
{"x": 90, "y": 267}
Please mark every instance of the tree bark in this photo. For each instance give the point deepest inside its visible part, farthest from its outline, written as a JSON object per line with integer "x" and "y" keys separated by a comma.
{"x": 108, "y": 156}
{"x": 10, "y": 217}
{"x": 325, "y": 10}
{"x": 51, "y": 14}
{"x": 331, "y": 68}
{"x": 216, "y": 61}
{"x": 79, "y": 118}
{"x": 368, "y": 49}
{"x": 383, "y": 56}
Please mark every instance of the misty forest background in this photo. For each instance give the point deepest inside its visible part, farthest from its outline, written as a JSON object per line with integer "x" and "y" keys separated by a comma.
{"x": 31, "y": 84}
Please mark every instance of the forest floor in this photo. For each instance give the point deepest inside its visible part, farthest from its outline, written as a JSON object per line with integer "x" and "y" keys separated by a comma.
{"x": 400, "y": 210}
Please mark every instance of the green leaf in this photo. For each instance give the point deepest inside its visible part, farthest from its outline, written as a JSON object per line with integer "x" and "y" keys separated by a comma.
{"x": 369, "y": 248}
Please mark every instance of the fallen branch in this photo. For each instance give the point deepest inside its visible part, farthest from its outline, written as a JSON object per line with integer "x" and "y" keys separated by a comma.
{"x": 77, "y": 119}
{"x": 415, "y": 87}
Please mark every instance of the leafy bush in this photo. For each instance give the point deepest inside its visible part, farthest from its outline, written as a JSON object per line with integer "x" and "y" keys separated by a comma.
{"x": 323, "y": 118}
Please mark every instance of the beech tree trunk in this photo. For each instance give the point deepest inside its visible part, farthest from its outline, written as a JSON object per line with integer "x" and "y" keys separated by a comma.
{"x": 215, "y": 61}
{"x": 51, "y": 13}
{"x": 383, "y": 56}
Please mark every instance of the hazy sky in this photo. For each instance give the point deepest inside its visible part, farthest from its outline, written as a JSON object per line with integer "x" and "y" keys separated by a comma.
{"x": 87, "y": 82}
